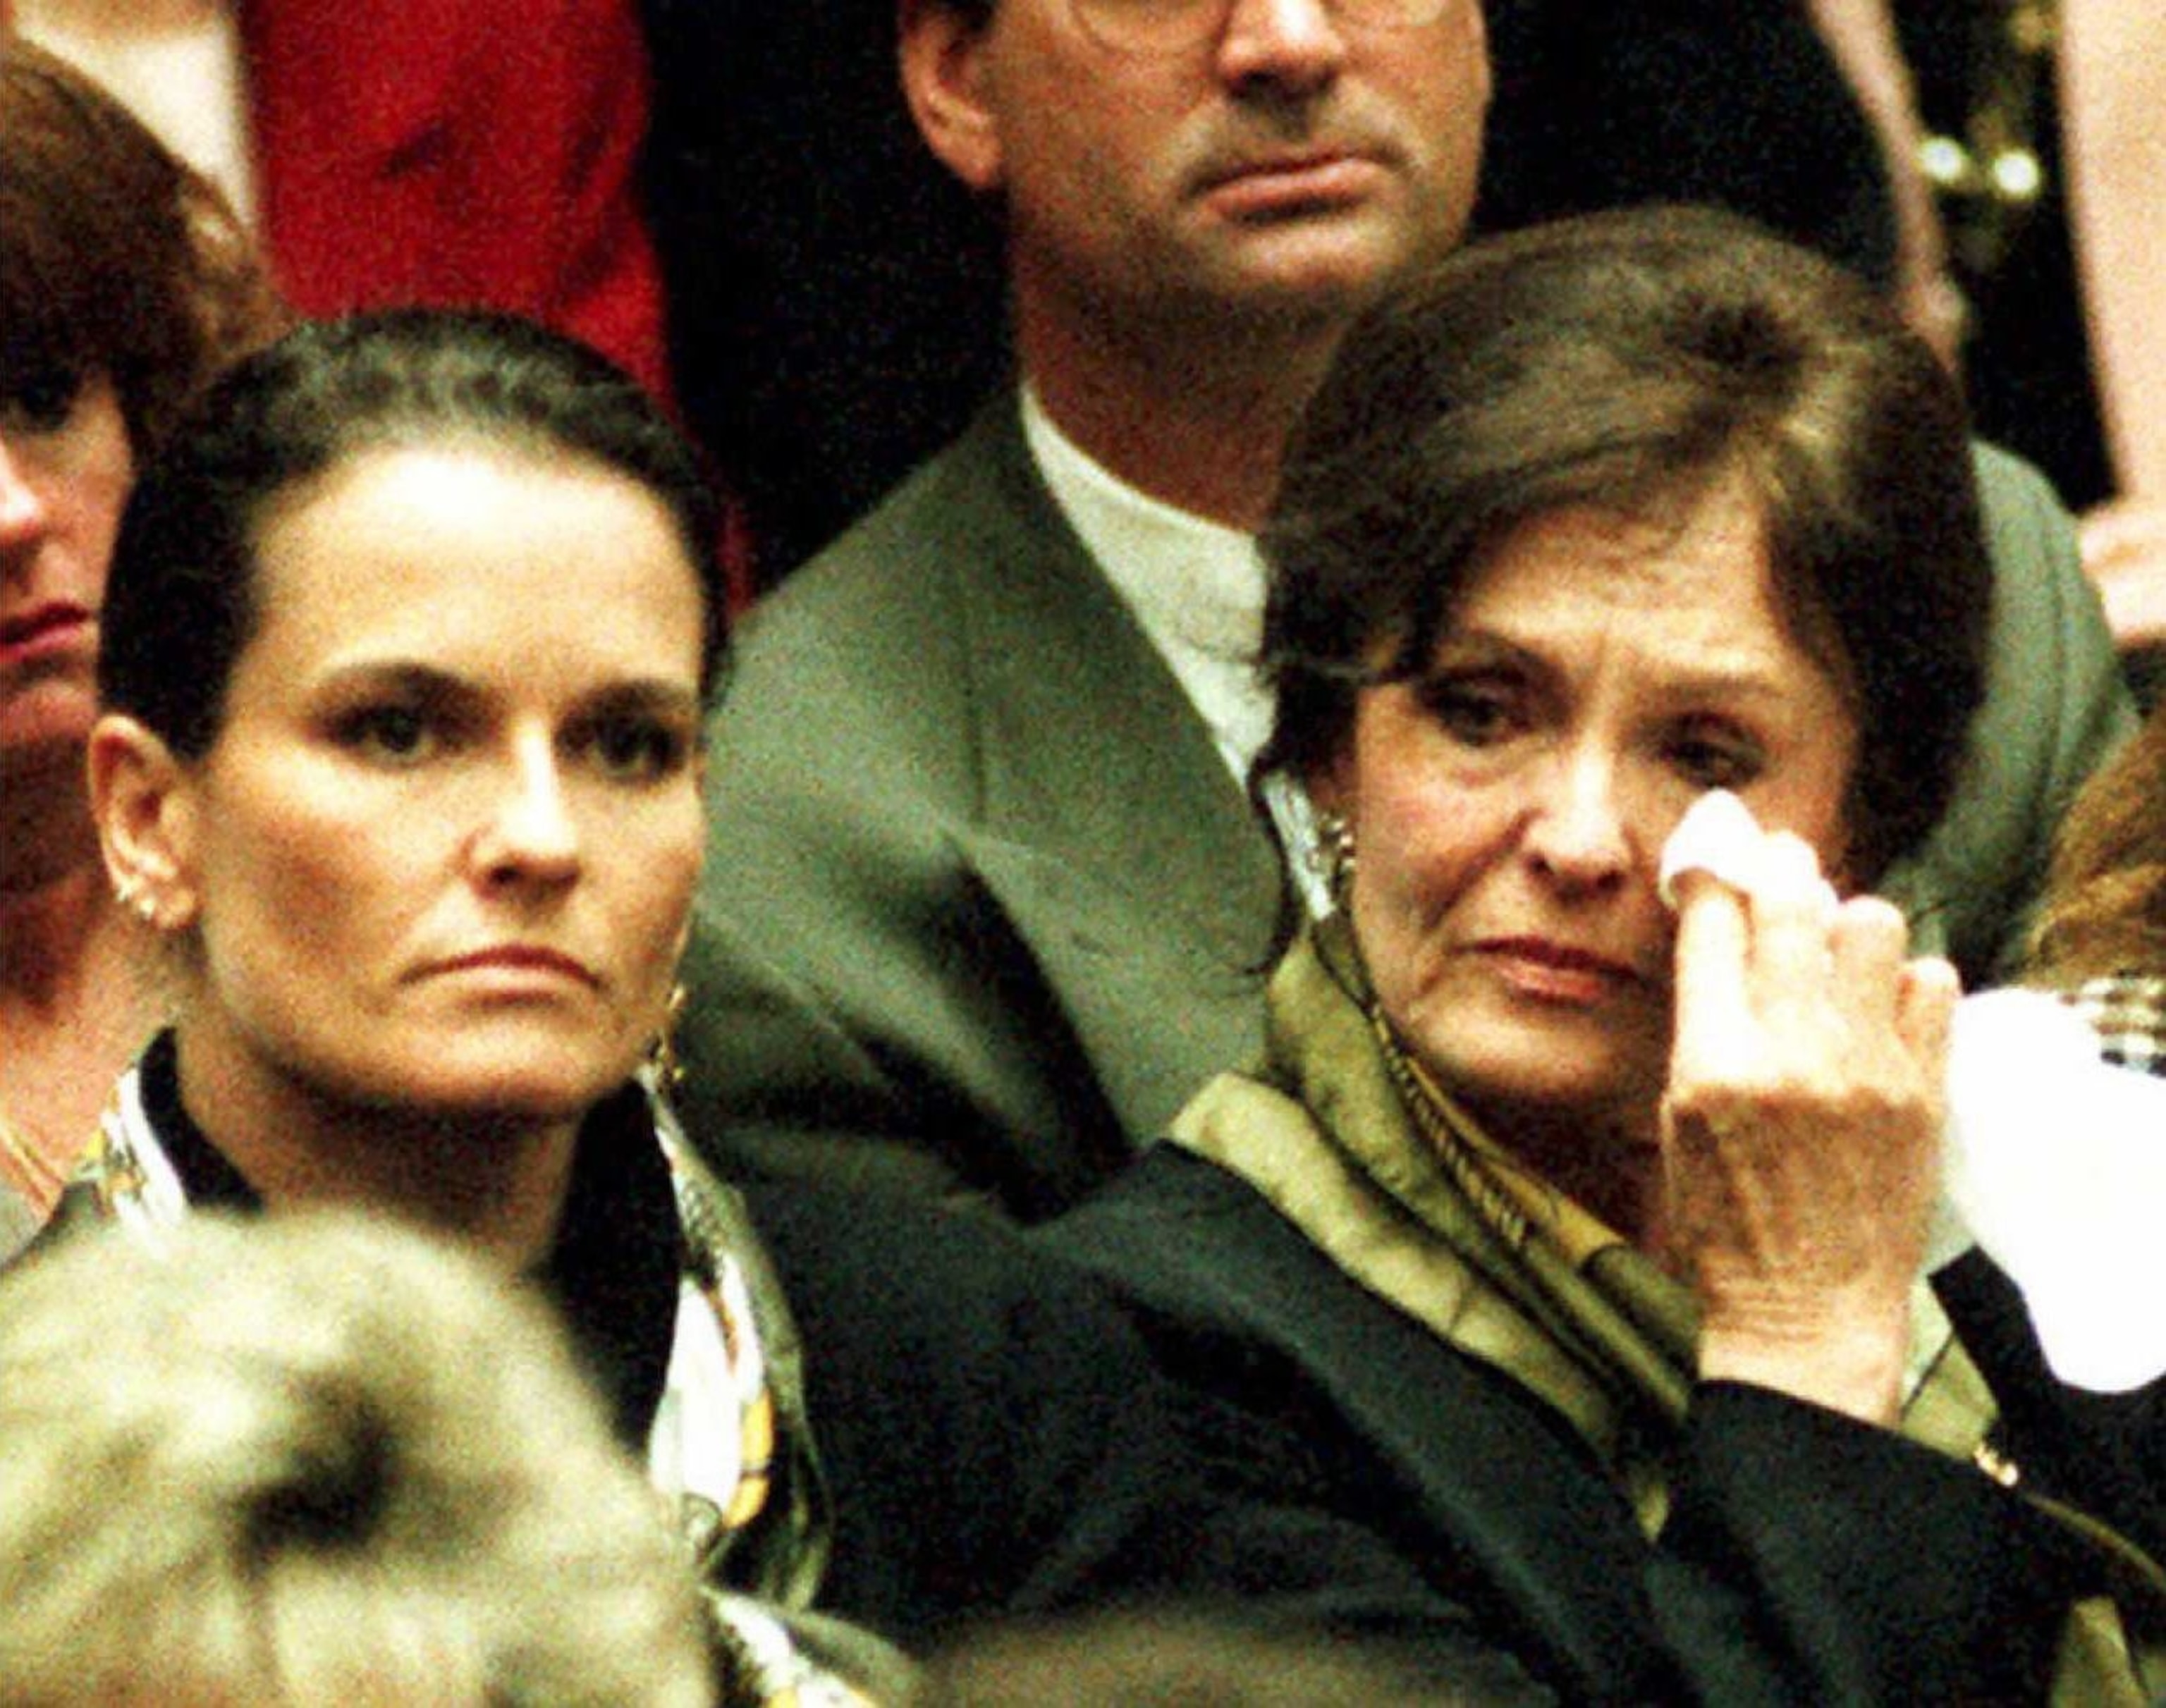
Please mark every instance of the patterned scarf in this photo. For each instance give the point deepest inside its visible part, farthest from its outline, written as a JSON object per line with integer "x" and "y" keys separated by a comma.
{"x": 1396, "y": 1183}
{"x": 730, "y": 1445}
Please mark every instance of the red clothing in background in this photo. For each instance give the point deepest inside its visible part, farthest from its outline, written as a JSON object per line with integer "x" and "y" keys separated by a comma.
{"x": 476, "y": 152}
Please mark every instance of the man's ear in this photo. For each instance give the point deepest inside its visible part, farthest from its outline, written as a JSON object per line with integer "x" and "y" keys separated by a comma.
{"x": 143, "y": 802}
{"x": 941, "y": 54}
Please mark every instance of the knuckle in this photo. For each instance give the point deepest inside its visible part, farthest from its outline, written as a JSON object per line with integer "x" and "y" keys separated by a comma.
{"x": 1873, "y": 915}
{"x": 1931, "y": 976}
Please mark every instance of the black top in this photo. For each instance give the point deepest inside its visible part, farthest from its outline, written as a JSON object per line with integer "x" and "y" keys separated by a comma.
{"x": 613, "y": 1272}
{"x": 998, "y": 1438}
{"x": 1807, "y": 1558}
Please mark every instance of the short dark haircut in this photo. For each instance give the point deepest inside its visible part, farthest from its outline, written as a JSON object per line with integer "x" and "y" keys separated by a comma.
{"x": 116, "y": 260}
{"x": 181, "y": 600}
{"x": 1635, "y": 362}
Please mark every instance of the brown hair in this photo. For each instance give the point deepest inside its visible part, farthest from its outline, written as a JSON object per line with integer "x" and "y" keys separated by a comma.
{"x": 115, "y": 259}
{"x": 1633, "y": 363}
{"x": 2105, "y": 905}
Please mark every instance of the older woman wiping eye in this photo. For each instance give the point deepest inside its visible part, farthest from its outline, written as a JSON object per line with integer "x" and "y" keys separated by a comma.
{"x": 1595, "y": 1235}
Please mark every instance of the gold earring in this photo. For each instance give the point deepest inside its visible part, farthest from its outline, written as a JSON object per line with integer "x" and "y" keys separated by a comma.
{"x": 138, "y": 901}
{"x": 1333, "y": 856}
{"x": 662, "y": 1053}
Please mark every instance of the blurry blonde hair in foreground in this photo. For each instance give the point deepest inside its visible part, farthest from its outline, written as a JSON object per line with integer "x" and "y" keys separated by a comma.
{"x": 312, "y": 1460}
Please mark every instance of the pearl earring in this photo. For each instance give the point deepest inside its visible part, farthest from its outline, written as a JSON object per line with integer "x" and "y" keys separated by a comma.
{"x": 1334, "y": 856}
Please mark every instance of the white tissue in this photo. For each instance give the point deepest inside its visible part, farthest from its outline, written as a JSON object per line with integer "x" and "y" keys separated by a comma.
{"x": 2054, "y": 1160}
{"x": 1718, "y": 835}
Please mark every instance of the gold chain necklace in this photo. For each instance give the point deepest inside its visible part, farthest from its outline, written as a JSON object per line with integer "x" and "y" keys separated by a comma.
{"x": 1449, "y": 1129}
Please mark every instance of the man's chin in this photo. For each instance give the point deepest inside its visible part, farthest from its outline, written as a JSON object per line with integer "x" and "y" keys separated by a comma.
{"x": 1327, "y": 268}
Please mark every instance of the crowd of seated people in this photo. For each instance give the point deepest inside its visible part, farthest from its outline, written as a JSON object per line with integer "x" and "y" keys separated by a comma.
{"x": 418, "y": 830}
{"x": 1013, "y": 917}
{"x": 1213, "y": 812}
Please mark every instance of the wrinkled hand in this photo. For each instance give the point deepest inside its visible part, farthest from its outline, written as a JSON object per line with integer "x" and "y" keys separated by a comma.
{"x": 1802, "y": 1129}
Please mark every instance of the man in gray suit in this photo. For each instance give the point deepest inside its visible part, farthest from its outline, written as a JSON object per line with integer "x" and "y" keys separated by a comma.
{"x": 986, "y": 900}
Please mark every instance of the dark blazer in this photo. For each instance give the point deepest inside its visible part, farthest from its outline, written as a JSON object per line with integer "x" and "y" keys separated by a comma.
{"x": 463, "y": 152}
{"x": 998, "y": 1437}
{"x": 984, "y": 905}
{"x": 1807, "y": 1558}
